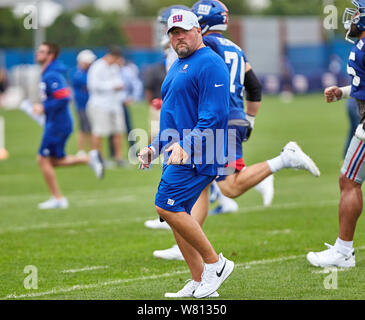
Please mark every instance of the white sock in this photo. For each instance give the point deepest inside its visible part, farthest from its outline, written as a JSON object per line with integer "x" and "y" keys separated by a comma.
{"x": 276, "y": 164}
{"x": 347, "y": 244}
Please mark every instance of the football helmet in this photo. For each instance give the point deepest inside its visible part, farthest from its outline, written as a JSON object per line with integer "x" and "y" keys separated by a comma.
{"x": 212, "y": 15}
{"x": 165, "y": 13}
{"x": 355, "y": 16}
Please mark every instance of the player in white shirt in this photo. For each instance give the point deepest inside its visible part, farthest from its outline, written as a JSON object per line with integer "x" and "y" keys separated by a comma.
{"x": 104, "y": 110}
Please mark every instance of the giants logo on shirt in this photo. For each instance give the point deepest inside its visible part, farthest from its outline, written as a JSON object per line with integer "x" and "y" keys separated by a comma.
{"x": 177, "y": 18}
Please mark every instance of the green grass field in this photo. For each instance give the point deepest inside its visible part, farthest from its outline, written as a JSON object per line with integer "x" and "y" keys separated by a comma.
{"x": 100, "y": 249}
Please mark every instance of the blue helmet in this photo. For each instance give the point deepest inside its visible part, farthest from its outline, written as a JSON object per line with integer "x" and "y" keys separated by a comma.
{"x": 355, "y": 16}
{"x": 165, "y": 13}
{"x": 212, "y": 15}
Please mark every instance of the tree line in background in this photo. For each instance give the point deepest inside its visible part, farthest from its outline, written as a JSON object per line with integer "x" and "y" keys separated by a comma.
{"x": 105, "y": 27}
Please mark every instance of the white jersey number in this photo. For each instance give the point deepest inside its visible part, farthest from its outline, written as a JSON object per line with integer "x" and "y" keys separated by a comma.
{"x": 232, "y": 58}
{"x": 352, "y": 71}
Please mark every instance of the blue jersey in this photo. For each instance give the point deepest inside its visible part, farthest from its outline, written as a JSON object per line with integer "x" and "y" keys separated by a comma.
{"x": 195, "y": 96}
{"x": 79, "y": 84}
{"x": 55, "y": 96}
{"x": 356, "y": 69}
{"x": 235, "y": 60}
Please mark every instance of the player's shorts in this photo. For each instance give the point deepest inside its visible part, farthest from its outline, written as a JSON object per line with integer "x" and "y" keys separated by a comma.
{"x": 106, "y": 121}
{"x": 53, "y": 145}
{"x": 237, "y": 132}
{"x": 84, "y": 122}
{"x": 354, "y": 165}
{"x": 180, "y": 187}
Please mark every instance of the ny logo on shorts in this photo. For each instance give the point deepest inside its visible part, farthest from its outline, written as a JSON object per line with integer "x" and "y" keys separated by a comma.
{"x": 170, "y": 202}
{"x": 177, "y": 18}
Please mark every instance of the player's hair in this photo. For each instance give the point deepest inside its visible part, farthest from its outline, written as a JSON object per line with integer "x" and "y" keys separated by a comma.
{"x": 115, "y": 51}
{"x": 52, "y": 48}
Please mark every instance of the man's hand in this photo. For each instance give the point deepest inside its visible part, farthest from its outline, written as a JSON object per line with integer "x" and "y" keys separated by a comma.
{"x": 145, "y": 157}
{"x": 332, "y": 94}
{"x": 38, "y": 109}
{"x": 178, "y": 154}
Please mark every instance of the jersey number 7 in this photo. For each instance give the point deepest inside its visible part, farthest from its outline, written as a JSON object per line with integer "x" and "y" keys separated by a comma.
{"x": 232, "y": 58}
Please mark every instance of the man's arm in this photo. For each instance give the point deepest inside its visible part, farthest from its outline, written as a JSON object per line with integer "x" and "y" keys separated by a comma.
{"x": 253, "y": 95}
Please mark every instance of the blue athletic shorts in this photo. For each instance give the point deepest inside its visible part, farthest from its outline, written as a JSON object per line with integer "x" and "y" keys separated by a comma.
{"x": 53, "y": 145}
{"x": 180, "y": 187}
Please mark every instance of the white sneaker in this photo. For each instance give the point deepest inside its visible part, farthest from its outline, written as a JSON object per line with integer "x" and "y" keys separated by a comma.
{"x": 188, "y": 291}
{"x": 293, "y": 157}
{"x": 157, "y": 224}
{"x": 332, "y": 257}
{"x": 213, "y": 276}
{"x": 266, "y": 188}
{"x": 96, "y": 163}
{"x": 173, "y": 253}
{"x": 54, "y": 203}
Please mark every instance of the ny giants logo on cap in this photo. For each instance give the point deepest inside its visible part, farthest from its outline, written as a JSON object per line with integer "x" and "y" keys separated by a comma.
{"x": 177, "y": 18}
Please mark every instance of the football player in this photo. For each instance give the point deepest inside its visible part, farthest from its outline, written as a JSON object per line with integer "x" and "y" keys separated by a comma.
{"x": 342, "y": 253}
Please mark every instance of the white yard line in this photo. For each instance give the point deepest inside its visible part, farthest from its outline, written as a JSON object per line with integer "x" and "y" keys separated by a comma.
{"x": 43, "y": 226}
{"x": 245, "y": 265}
{"x": 87, "y": 268}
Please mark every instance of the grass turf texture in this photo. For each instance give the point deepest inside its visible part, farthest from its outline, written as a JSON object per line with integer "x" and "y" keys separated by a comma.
{"x": 103, "y": 227}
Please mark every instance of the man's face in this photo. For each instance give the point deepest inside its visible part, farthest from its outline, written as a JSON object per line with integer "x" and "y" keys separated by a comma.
{"x": 42, "y": 54}
{"x": 185, "y": 42}
{"x": 354, "y": 32}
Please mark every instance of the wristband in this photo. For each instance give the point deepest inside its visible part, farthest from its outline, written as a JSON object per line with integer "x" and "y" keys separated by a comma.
{"x": 346, "y": 91}
{"x": 251, "y": 120}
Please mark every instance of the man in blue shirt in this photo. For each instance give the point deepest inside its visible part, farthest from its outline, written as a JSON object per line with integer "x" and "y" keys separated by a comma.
{"x": 81, "y": 95}
{"x": 55, "y": 96}
{"x": 193, "y": 132}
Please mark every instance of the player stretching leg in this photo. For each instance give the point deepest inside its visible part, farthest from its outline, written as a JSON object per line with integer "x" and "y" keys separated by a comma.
{"x": 342, "y": 253}
{"x": 212, "y": 15}
{"x": 58, "y": 127}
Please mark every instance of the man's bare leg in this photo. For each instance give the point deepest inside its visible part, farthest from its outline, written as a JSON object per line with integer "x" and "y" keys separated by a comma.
{"x": 192, "y": 257}
{"x": 237, "y": 184}
{"x": 350, "y": 207}
{"x": 70, "y": 160}
{"x": 49, "y": 175}
{"x": 190, "y": 230}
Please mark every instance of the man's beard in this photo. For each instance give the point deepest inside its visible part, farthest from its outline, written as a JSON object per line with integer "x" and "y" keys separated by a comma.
{"x": 354, "y": 32}
{"x": 183, "y": 52}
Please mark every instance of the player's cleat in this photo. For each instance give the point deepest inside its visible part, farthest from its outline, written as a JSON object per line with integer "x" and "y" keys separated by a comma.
{"x": 213, "y": 276}
{"x": 96, "y": 163}
{"x": 54, "y": 203}
{"x": 294, "y": 157}
{"x": 157, "y": 224}
{"x": 266, "y": 188}
{"x": 226, "y": 205}
{"x": 332, "y": 257}
{"x": 188, "y": 291}
{"x": 172, "y": 253}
